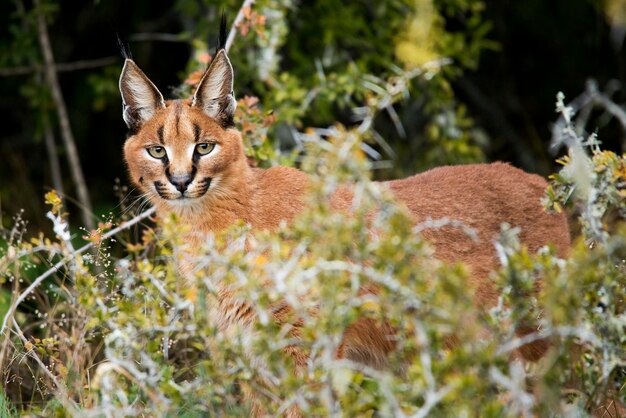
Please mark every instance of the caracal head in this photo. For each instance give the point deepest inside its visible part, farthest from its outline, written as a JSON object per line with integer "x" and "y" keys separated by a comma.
{"x": 179, "y": 152}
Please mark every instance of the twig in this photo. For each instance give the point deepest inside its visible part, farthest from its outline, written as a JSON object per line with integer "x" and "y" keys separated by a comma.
{"x": 586, "y": 102}
{"x": 430, "y": 223}
{"x": 160, "y": 37}
{"x": 64, "y": 261}
{"x": 432, "y": 399}
{"x": 563, "y": 331}
{"x": 238, "y": 19}
{"x": 5, "y": 343}
{"x": 60, "y": 67}
{"x": 374, "y": 374}
{"x": 67, "y": 402}
{"x": 123, "y": 367}
{"x": 53, "y": 156}
{"x": 64, "y": 121}
{"x": 604, "y": 101}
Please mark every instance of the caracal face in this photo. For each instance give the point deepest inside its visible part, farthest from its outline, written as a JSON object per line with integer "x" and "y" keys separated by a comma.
{"x": 181, "y": 152}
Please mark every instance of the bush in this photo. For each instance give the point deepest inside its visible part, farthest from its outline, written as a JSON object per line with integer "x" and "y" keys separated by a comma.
{"x": 117, "y": 336}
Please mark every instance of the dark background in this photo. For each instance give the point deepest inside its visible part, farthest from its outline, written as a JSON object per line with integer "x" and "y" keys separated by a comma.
{"x": 544, "y": 47}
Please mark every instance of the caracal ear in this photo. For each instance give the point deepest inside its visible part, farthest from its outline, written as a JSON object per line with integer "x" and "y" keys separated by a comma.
{"x": 214, "y": 94}
{"x": 140, "y": 97}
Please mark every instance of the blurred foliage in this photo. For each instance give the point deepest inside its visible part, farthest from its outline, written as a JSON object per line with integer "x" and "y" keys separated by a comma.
{"x": 317, "y": 80}
{"x": 616, "y": 11}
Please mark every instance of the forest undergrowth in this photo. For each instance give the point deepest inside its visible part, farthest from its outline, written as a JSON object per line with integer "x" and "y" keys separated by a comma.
{"x": 111, "y": 335}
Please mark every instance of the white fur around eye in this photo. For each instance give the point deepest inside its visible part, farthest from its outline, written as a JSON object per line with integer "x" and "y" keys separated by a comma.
{"x": 215, "y": 150}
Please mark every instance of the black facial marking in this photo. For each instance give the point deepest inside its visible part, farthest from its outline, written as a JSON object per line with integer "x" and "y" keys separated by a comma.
{"x": 203, "y": 186}
{"x": 177, "y": 113}
{"x": 160, "y": 135}
{"x": 141, "y": 180}
{"x": 196, "y": 132}
{"x": 160, "y": 188}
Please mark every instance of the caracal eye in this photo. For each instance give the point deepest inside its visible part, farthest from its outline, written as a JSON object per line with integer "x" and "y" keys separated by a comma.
{"x": 156, "y": 152}
{"x": 204, "y": 148}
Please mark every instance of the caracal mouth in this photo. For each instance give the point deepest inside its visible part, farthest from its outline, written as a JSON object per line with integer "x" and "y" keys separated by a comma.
{"x": 183, "y": 197}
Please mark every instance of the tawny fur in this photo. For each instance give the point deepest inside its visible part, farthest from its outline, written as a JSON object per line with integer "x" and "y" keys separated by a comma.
{"x": 482, "y": 196}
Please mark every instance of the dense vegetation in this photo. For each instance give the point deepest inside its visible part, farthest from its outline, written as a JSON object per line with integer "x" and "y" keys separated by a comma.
{"x": 112, "y": 331}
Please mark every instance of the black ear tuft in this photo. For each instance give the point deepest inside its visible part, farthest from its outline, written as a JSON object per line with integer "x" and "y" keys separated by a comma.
{"x": 222, "y": 37}
{"x": 124, "y": 47}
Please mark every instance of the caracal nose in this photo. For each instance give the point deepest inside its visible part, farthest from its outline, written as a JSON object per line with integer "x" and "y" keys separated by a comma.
{"x": 181, "y": 181}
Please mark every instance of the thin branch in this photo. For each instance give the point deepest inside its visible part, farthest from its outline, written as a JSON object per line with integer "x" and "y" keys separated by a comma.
{"x": 53, "y": 156}
{"x": 124, "y": 368}
{"x": 60, "y": 67}
{"x": 66, "y": 260}
{"x": 26, "y": 69}
{"x": 5, "y": 343}
{"x": 582, "y": 105}
{"x": 238, "y": 19}
{"x": 563, "y": 331}
{"x": 432, "y": 399}
{"x": 86, "y": 64}
{"x": 64, "y": 122}
{"x": 608, "y": 104}
{"x": 67, "y": 402}
{"x": 159, "y": 37}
